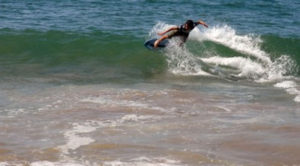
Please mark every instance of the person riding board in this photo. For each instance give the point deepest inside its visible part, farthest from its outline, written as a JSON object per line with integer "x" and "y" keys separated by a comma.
{"x": 182, "y": 31}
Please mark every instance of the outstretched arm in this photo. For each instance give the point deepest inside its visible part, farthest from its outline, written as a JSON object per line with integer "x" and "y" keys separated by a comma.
{"x": 168, "y": 30}
{"x": 202, "y": 23}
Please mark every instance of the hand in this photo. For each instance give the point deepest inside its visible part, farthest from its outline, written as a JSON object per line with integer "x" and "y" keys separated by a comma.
{"x": 156, "y": 43}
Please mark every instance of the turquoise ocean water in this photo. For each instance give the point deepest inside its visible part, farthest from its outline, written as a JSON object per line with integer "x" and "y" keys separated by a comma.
{"x": 78, "y": 87}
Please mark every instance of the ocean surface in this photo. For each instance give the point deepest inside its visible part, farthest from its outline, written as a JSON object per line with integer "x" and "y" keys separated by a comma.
{"x": 78, "y": 88}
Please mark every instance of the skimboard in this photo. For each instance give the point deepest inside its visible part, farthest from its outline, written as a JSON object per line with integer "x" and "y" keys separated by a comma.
{"x": 150, "y": 44}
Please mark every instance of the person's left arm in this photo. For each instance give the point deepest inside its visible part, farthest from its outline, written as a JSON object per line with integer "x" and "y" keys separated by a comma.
{"x": 202, "y": 23}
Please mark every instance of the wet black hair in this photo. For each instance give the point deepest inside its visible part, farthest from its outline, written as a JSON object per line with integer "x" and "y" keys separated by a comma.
{"x": 190, "y": 23}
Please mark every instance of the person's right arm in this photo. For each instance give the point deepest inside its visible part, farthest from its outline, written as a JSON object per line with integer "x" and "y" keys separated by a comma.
{"x": 165, "y": 36}
{"x": 156, "y": 43}
{"x": 168, "y": 30}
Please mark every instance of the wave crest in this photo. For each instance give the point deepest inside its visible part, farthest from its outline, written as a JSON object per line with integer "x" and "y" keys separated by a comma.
{"x": 250, "y": 60}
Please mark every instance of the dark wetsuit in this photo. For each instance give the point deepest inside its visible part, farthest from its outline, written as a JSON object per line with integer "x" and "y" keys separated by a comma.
{"x": 181, "y": 32}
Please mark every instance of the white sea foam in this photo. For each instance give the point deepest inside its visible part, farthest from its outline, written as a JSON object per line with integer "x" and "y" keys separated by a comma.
{"x": 280, "y": 69}
{"x": 108, "y": 101}
{"x": 144, "y": 161}
{"x": 246, "y": 66}
{"x": 291, "y": 88}
{"x": 141, "y": 161}
{"x": 124, "y": 120}
{"x": 183, "y": 62}
{"x": 227, "y": 36}
{"x": 48, "y": 163}
{"x": 286, "y": 84}
{"x": 74, "y": 140}
{"x": 4, "y": 164}
{"x": 10, "y": 113}
{"x": 261, "y": 68}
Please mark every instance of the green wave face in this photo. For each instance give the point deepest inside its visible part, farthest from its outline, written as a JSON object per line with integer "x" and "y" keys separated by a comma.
{"x": 32, "y": 52}
{"x": 278, "y": 46}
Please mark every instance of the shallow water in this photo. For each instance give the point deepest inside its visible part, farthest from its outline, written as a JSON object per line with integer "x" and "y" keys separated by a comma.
{"x": 209, "y": 123}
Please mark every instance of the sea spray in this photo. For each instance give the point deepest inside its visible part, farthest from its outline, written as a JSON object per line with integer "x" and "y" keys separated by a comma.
{"x": 247, "y": 44}
{"x": 158, "y": 28}
{"x": 183, "y": 62}
{"x": 245, "y": 67}
{"x": 254, "y": 63}
{"x": 261, "y": 70}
